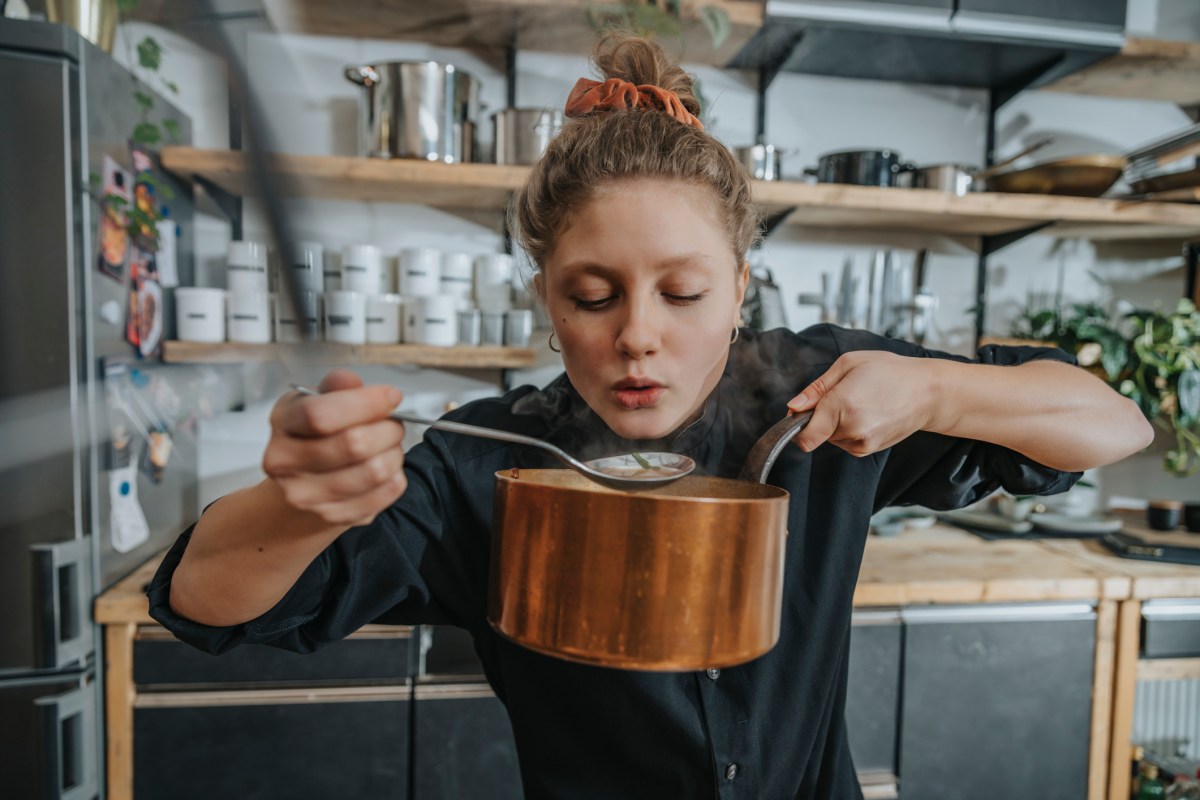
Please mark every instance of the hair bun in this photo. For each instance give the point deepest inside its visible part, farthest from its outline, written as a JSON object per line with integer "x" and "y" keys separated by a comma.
{"x": 638, "y": 60}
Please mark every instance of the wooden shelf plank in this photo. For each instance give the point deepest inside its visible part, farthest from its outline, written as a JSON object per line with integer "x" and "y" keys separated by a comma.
{"x": 1145, "y": 69}
{"x": 176, "y": 352}
{"x": 487, "y": 187}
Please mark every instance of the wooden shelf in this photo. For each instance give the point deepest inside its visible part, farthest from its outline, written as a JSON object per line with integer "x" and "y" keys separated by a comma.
{"x": 821, "y": 206}
{"x": 176, "y": 352}
{"x": 1145, "y": 69}
{"x": 486, "y": 27}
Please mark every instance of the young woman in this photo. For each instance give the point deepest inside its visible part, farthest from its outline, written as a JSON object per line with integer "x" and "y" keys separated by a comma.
{"x": 639, "y": 223}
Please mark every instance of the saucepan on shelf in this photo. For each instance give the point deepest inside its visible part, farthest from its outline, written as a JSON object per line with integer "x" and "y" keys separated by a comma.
{"x": 763, "y": 162}
{"x": 861, "y": 168}
{"x": 960, "y": 179}
{"x": 688, "y": 576}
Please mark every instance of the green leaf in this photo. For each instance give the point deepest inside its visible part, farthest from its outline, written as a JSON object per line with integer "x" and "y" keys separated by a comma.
{"x": 1189, "y": 396}
{"x": 147, "y": 133}
{"x": 172, "y": 85}
{"x": 716, "y": 20}
{"x": 642, "y": 462}
{"x": 127, "y": 6}
{"x": 172, "y": 128}
{"x": 149, "y": 53}
{"x": 115, "y": 201}
{"x": 144, "y": 101}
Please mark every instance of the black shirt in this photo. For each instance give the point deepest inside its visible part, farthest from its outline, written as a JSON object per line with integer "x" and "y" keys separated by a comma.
{"x": 583, "y": 731}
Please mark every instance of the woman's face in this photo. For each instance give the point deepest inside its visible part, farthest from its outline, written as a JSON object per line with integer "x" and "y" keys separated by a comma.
{"x": 644, "y": 293}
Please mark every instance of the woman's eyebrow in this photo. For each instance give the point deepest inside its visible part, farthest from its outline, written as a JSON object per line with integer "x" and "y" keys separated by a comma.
{"x": 603, "y": 270}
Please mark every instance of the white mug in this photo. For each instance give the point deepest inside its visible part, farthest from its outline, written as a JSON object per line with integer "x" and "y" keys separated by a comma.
{"x": 199, "y": 314}
{"x": 431, "y": 320}
{"x": 457, "y": 275}
{"x": 345, "y": 317}
{"x": 518, "y": 327}
{"x": 492, "y": 328}
{"x": 383, "y": 319}
{"x": 248, "y": 317}
{"x": 362, "y": 265}
{"x": 420, "y": 272}
{"x": 493, "y": 282}
{"x": 308, "y": 266}
{"x": 287, "y": 322}
{"x": 246, "y": 267}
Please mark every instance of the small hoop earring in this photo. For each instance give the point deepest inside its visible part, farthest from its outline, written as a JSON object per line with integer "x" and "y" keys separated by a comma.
{"x": 735, "y": 336}
{"x": 550, "y": 342}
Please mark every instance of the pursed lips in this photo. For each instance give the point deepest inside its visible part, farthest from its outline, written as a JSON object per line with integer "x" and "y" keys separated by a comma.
{"x": 634, "y": 393}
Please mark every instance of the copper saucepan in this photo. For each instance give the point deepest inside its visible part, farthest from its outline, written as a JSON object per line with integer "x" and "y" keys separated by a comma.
{"x": 685, "y": 577}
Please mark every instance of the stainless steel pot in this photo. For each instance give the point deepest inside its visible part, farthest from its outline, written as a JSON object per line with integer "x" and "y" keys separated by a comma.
{"x": 861, "y": 167}
{"x": 523, "y": 134}
{"x": 416, "y": 109}
{"x": 762, "y": 161}
{"x": 954, "y": 178}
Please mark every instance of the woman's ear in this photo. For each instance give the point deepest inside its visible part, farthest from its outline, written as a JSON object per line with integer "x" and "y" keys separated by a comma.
{"x": 539, "y": 287}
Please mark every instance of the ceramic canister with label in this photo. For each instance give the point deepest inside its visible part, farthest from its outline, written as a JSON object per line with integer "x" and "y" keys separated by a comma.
{"x": 458, "y": 276}
{"x": 362, "y": 266}
{"x": 493, "y": 282}
{"x": 248, "y": 317}
{"x": 287, "y": 321}
{"x": 200, "y": 314}
{"x": 246, "y": 267}
{"x": 420, "y": 272}
{"x": 384, "y": 319}
{"x": 308, "y": 266}
{"x": 431, "y": 320}
{"x": 346, "y": 317}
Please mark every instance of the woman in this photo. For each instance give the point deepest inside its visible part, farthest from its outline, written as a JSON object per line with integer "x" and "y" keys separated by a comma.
{"x": 639, "y": 223}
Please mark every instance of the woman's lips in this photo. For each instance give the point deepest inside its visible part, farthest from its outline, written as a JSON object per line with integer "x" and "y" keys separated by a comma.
{"x": 639, "y": 397}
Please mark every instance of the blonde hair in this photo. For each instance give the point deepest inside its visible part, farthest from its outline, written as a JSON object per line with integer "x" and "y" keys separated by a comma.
{"x": 603, "y": 147}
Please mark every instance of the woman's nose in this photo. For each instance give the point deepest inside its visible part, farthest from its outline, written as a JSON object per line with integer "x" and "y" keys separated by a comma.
{"x": 639, "y": 335}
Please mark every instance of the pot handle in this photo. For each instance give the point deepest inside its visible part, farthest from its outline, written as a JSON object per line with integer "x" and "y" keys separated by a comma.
{"x": 770, "y": 445}
{"x": 363, "y": 76}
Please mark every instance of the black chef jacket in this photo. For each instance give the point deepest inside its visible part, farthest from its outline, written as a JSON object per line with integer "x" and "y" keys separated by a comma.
{"x": 772, "y": 728}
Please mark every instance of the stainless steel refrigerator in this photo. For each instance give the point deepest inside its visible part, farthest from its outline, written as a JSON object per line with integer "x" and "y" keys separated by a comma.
{"x": 64, "y": 107}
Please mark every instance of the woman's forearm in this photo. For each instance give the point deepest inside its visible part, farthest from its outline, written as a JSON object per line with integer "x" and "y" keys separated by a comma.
{"x": 1053, "y": 413}
{"x": 246, "y": 551}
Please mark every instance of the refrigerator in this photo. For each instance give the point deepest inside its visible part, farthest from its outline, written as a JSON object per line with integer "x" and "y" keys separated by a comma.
{"x": 78, "y": 403}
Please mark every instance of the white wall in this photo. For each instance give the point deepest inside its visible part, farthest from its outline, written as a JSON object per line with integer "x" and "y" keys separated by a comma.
{"x": 313, "y": 110}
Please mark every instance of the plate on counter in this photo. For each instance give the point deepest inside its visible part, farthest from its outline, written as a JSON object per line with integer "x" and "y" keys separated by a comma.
{"x": 1074, "y": 525}
{"x": 986, "y": 520}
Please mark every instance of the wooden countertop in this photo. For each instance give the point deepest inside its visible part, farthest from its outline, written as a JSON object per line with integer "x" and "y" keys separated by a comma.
{"x": 941, "y": 565}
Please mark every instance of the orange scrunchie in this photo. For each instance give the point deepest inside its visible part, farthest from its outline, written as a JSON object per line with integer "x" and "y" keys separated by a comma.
{"x": 615, "y": 94}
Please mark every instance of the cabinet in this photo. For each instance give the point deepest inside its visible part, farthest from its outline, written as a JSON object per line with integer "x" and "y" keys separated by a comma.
{"x": 873, "y": 690}
{"x": 998, "y": 699}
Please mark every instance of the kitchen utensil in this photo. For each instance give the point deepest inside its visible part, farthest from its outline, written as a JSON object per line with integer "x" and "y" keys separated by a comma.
{"x": 362, "y": 269}
{"x": 246, "y": 267}
{"x": 924, "y": 301}
{"x": 470, "y": 327}
{"x": 493, "y": 281}
{"x": 625, "y": 472}
{"x": 762, "y": 307}
{"x": 457, "y": 275}
{"x": 523, "y": 134}
{"x": 961, "y": 178}
{"x": 683, "y": 577}
{"x": 383, "y": 321}
{"x": 826, "y": 300}
{"x": 1188, "y": 179}
{"x": 420, "y": 272}
{"x": 248, "y": 317}
{"x": 764, "y": 162}
{"x": 308, "y": 264}
{"x": 861, "y": 167}
{"x": 95, "y": 20}
{"x": 492, "y": 328}
{"x": 1147, "y": 159}
{"x": 287, "y": 321}
{"x": 200, "y": 314}
{"x": 1164, "y": 515}
{"x": 346, "y": 317}
{"x": 1079, "y": 176}
{"x": 416, "y": 109}
{"x": 431, "y": 320}
{"x": 518, "y": 327}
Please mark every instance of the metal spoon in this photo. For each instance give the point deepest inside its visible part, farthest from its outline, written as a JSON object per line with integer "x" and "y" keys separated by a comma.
{"x": 605, "y": 471}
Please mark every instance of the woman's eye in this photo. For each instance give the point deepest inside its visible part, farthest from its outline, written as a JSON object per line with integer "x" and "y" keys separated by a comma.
{"x": 592, "y": 305}
{"x": 684, "y": 299}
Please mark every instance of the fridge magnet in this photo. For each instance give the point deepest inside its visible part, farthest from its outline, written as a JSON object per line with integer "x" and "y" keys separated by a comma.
{"x": 112, "y": 246}
{"x": 143, "y": 214}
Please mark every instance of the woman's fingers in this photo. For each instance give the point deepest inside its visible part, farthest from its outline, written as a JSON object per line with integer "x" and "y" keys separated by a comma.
{"x": 306, "y": 491}
{"x": 363, "y": 509}
{"x": 823, "y": 424}
{"x": 335, "y": 411}
{"x": 289, "y": 455}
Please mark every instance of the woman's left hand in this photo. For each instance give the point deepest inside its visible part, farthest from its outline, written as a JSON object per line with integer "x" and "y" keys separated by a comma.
{"x": 868, "y": 401}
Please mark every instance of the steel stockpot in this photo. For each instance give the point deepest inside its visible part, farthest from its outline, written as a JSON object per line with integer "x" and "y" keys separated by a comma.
{"x": 684, "y": 577}
{"x": 416, "y": 109}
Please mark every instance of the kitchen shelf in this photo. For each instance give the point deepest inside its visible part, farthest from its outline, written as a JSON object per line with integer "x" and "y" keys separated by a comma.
{"x": 1144, "y": 69}
{"x": 821, "y": 206}
{"x": 176, "y": 352}
{"x": 484, "y": 26}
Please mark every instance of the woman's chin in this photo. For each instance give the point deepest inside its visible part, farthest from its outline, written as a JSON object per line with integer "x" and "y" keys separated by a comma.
{"x": 642, "y": 424}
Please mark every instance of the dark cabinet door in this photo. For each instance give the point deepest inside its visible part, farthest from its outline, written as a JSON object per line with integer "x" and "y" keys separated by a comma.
{"x": 463, "y": 745}
{"x": 302, "y": 745}
{"x": 997, "y": 702}
{"x": 1067, "y": 13}
{"x": 873, "y": 693}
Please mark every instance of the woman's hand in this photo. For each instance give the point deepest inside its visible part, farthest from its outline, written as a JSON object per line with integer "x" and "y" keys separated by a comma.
{"x": 338, "y": 456}
{"x": 866, "y": 402}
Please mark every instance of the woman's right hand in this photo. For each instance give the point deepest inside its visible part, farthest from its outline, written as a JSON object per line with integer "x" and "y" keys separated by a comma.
{"x": 338, "y": 456}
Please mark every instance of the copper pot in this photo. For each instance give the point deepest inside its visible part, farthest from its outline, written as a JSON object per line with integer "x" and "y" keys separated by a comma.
{"x": 685, "y": 577}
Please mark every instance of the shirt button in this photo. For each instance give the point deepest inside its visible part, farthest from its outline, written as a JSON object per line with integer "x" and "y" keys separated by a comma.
{"x": 714, "y": 673}
{"x": 731, "y": 772}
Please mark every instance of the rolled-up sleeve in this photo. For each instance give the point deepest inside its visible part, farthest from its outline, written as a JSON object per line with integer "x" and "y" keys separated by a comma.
{"x": 944, "y": 472}
{"x": 396, "y": 569}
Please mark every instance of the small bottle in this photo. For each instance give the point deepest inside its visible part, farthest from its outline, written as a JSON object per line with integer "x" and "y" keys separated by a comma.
{"x": 1150, "y": 787}
{"x": 1139, "y": 753}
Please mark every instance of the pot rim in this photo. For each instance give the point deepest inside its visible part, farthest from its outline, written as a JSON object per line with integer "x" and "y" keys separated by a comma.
{"x": 881, "y": 151}
{"x": 447, "y": 66}
{"x": 772, "y": 493}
